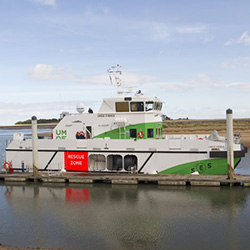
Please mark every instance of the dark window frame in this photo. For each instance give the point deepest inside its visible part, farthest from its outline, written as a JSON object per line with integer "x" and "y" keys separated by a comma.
{"x": 137, "y": 106}
{"x": 133, "y": 133}
{"x": 150, "y": 132}
{"x": 122, "y": 106}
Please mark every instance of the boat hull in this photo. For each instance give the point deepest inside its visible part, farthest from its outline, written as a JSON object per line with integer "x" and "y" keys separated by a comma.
{"x": 105, "y": 155}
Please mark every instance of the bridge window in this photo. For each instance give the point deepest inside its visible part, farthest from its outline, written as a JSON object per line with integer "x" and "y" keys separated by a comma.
{"x": 157, "y": 105}
{"x": 149, "y": 105}
{"x": 122, "y": 107}
{"x": 137, "y": 106}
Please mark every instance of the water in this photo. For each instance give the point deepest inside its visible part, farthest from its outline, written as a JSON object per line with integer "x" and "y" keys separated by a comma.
{"x": 102, "y": 216}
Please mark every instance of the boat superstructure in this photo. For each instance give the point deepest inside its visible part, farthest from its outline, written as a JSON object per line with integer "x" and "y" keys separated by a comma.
{"x": 124, "y": 136}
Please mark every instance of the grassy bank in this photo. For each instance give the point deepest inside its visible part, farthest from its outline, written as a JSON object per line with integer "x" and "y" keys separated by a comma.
{"x": 241, "y": 126}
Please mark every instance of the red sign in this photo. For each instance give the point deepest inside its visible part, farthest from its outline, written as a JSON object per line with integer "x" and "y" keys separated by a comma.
{"x": 76, "y": 161}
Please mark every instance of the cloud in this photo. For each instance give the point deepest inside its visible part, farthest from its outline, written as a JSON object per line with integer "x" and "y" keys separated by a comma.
{"x": 230, "y": 42}
{"x": 195, "y": 29}
{"x": 44, "y": 72}
{"x": 160, "y": 31}
{"x": 200, "y": 81}
{"x": 175, "y": 86}
{"x": 240, "y": 62}
{"x": 205, "y": 82}
{"x": 14, "y": 112}
{"x": 244, "y": 39}
{"x": 48, "y": 72}
{"x": 45, "y": 2}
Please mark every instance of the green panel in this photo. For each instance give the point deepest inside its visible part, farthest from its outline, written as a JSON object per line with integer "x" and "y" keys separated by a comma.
{"x": 123, "y": 132}
{"x": 211, "y": 167}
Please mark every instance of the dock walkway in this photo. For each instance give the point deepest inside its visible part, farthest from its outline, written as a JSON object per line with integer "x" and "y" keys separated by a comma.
{"x": 128, "y": 179}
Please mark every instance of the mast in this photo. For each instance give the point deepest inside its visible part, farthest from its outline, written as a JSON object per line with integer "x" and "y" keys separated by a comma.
{"x": 116, "y": 72}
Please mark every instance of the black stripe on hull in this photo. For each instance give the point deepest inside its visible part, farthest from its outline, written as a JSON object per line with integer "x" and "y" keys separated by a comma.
{"x": 110, "y": 151}
{"x": 51, "y": 159}
{"x": 144, "y": 164}
{"x": 223, "y": 154}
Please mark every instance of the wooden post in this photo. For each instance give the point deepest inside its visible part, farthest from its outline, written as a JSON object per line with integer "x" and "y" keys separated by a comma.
{"x": 230, "y": 144}
{"x": 34, "y": 145}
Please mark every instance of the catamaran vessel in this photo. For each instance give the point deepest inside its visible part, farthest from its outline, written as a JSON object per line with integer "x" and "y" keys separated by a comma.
{"x": 124, "y": 136}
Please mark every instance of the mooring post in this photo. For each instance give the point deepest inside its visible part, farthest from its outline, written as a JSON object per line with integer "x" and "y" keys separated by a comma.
{"x": 34, "y": 145}
{"x": 230, "y": 142}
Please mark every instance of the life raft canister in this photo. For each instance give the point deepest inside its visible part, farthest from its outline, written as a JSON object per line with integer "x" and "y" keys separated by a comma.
{"x": 140, "y": 134}
{"x": 6, "y": 165}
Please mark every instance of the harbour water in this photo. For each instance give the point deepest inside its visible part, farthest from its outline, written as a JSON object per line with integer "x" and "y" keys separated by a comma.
{"x": 105, "y": 216}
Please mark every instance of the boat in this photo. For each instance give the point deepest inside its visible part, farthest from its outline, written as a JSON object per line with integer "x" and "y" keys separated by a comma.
{"x": 125, "y": 136}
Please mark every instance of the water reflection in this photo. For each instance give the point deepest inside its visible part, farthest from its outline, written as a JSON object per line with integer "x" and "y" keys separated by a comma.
{"x": 77, "y": 195}
{"x": 102, "y": 216}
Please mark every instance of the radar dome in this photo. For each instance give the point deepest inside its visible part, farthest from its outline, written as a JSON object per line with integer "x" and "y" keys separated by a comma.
{"x": 80, "y": 108}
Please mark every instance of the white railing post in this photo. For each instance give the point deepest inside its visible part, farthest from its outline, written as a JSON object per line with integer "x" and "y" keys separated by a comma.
{"x": 230, "y": 144}
{"x": 34, "y": 145}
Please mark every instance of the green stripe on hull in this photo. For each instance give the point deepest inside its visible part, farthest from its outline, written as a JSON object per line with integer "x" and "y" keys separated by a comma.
{"x": 214, "y": 166}
{"x": 124, "y": 132}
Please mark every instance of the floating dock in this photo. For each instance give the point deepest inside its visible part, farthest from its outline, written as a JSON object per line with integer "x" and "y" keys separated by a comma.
{"x": 128, "y": 179}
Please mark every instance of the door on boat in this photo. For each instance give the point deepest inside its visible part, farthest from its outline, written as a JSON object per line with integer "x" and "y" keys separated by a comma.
{"x": 88, "y": 132}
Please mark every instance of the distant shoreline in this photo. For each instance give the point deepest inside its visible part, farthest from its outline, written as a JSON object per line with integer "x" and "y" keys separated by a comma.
{"x": 27, "y": 126}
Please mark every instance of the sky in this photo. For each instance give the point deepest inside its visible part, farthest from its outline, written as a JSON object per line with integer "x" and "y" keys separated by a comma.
{"x": 192, "y": 54}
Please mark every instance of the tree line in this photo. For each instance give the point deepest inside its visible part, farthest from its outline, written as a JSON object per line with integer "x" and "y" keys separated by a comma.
{"x": 39, "y": 121}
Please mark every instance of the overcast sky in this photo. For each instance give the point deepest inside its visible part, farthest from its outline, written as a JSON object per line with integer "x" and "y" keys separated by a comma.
{"x": 194, "y": 55}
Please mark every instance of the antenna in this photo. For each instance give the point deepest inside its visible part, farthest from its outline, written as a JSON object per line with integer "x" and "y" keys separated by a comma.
{"x": 116, "y": 72}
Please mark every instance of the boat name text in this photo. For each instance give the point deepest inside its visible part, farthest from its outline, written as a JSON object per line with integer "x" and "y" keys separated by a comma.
{"x": 106, "y": 115}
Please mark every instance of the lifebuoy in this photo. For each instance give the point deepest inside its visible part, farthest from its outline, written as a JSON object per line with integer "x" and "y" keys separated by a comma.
{"x": 140, "y": 134}
{"x": 8, "y": 165}
{"x": 80, "y": 135}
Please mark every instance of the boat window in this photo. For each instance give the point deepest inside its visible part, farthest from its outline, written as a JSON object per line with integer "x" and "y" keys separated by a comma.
{"x": 158, "y": 132}
{"x": 137, "y": 106}
{"x": 130, "y": 163}
{"x": 149, "y": 105}
{"x": 133, "y": 133}
{"x": 157, "y": 105}
{"x": 122, "y": 107}
{"x": 97, "y": 162}
{"x": 150, "y": 133}
{"x": 160, "y": 106}
{"x": 114, "y": 162}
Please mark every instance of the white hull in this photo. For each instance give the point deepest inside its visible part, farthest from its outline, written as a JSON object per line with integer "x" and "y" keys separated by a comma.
{"x": 142, "y": 156}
